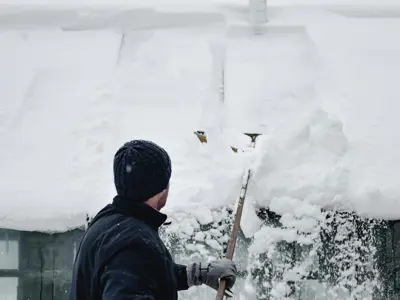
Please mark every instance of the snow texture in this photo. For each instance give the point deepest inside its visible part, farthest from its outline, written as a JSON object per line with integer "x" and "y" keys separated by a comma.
{"x": 65, "y": 118}
{"x": 79, "y": 78}
{"x": 322, "y": 93}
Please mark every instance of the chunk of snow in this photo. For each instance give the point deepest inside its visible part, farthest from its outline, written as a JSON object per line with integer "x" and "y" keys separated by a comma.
{"x": 267, "y": 236}
{"x": 215, "y": 233}
{"x": 203, "y": 215}
{"x": 213, "y": 244}
{"x": 188, "y": 226}
{"x": 292, "y": 169}
{"x": 250, "y": 222}
{"x": 191, "y": 247}
{"x": 200, "y": 236}
{"x": 302, "y": 225}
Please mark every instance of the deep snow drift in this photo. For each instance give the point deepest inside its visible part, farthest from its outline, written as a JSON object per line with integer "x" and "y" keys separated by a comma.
{"x": 89, "y": 109}
{"x": 306, "y": 168}
{"x": 75, "y": 96}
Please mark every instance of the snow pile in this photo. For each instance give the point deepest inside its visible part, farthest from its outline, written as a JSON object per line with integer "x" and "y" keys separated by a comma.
{"x": 90, "y": 99}
{"x": 309, "y": 243}
{"x": 361, "y": 89}
{"x": 307, "y": 166}
{"x": 206, "y": 176}
{"x": 65, "y": 116}
{"x": 167, "y": 96}
{"x": 206, "y": 237}
{"x": 52, "y": 125}
{"x": 270, "y": 79}
{"x": 303, "y": 182}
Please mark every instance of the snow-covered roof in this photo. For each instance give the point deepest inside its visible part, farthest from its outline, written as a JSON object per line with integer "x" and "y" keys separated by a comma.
{"x": 70, "y": 98}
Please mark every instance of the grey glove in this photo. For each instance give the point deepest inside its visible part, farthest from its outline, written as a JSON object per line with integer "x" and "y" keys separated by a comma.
{"x": 212, "y": 273}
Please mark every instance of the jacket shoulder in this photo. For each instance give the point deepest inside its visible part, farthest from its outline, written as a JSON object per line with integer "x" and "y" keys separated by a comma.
{"x": 126, "y": 232}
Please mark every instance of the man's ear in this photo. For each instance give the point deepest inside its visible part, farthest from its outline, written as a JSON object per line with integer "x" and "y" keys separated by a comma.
{"x": 164, "y": 193}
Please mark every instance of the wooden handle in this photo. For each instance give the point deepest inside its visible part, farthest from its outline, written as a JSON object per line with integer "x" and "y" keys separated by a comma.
{"x": 221, "y": 290}
{"x": 236, "y": 224}
{"x": 235, "y": 231}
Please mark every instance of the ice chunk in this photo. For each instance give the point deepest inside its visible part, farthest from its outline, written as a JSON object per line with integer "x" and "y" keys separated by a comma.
{"x": 250, "y": 222}
{"x": 203, "y": 215}
{"x": 200, "y": 236}
{"x": 213, "y": 244}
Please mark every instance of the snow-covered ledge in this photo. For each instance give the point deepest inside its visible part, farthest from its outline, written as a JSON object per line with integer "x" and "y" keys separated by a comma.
{"x": 108, "y": 17}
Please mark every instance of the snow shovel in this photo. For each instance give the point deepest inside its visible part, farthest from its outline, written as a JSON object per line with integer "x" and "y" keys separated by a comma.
{"x": 236, "y": 224}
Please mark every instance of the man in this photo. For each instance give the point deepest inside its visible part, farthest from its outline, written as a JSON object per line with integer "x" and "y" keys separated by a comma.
{"x": 121, "y": 256}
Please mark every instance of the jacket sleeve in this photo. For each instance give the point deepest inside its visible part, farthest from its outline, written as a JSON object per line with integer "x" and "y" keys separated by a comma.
{"x": 130, "y": 275}
{"x": 181, "y": 276}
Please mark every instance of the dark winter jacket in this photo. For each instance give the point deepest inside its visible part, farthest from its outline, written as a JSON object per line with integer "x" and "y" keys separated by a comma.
{"x": 122, "y": 257}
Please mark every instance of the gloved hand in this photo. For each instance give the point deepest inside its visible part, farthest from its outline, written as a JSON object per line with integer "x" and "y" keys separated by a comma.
{"x": 212, "y": 273}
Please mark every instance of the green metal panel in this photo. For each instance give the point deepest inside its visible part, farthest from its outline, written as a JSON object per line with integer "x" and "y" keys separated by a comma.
{"x": 45, "y": 263}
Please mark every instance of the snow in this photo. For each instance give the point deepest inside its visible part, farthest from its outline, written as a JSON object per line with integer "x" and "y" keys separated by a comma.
{"x": 334, "y": 2}
{"x": 307, "y": 166}
{"x": 249, "y": 213}
{"x": 319, "y": 82}
{"x": 345, "y": 154}
{"x": 276, "y": 72}
{"x": 65, "y": 134}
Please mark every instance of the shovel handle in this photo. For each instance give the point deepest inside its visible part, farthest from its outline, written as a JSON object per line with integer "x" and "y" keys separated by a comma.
{"x": 221, "y": 290}
{"x": 235, "y": 230}
{"x": 236, "y": 224}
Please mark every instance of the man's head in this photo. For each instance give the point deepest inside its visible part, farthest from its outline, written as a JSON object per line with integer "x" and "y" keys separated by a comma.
{"x": 142, "y": 171}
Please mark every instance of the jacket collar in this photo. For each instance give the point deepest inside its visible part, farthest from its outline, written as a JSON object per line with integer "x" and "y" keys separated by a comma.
{"x": 139, "y": 210}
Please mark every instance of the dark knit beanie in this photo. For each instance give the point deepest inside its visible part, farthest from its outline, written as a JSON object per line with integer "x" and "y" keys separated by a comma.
{"x": 142, "y": 169}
